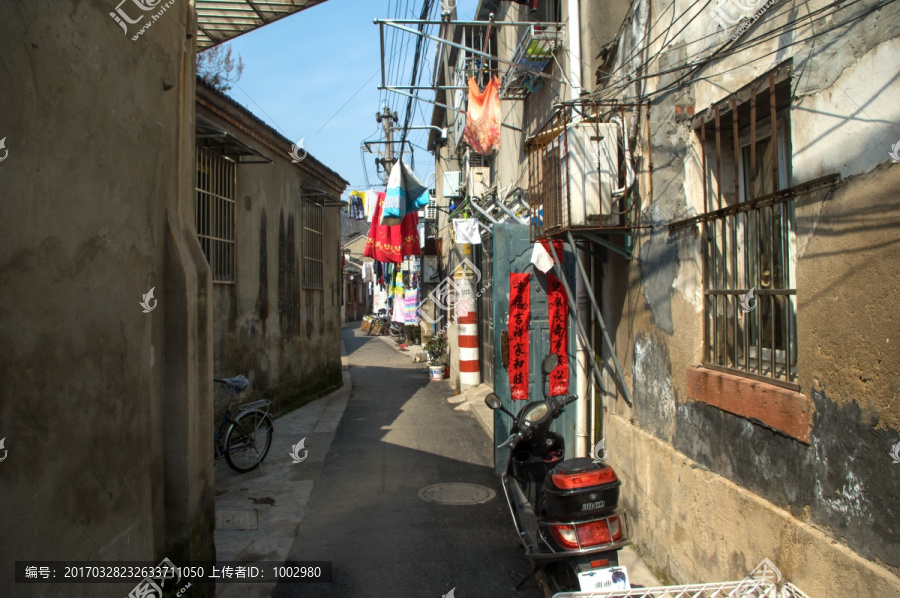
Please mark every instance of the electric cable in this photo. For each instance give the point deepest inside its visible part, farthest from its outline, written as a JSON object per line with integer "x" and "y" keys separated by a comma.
{"x": 611, "y": 91}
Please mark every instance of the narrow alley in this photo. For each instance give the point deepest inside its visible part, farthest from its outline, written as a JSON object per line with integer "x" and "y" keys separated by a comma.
{"x": 398, "y": 436}
{"x": 434, "y": 298}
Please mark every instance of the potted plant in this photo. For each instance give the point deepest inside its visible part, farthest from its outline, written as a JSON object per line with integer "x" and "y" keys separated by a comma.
{"x": 436, "y": 347}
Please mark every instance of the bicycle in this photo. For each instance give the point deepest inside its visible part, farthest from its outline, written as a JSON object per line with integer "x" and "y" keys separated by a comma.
{"x": 248, "y": 437}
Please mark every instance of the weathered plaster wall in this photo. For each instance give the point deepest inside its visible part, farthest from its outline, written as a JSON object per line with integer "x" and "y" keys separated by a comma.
{"x": 692, "y": 520}
{"x": 267, "y": 326}
{"x": 106, "y": 410}
{"x": 690, "y": 523}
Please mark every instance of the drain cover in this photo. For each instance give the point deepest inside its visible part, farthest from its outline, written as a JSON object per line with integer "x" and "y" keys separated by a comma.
{"x": 457, "y": 494}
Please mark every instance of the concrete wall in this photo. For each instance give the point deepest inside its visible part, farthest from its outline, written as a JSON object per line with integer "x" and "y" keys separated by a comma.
{"x": 711, "y": 493}
{"x": 285, "y": 338}
{"x": 106, "y": 411}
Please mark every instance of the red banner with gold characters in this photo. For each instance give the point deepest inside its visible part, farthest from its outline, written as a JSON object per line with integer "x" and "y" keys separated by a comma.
{"x": 559, "y": 318}
{"x": 519, "y": 317}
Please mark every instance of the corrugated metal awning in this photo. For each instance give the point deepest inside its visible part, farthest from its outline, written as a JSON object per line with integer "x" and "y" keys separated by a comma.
{"x": 221, "y": 20}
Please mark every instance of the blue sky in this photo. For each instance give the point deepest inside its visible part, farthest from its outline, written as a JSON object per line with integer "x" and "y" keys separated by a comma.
{"x": 300, "y": 71}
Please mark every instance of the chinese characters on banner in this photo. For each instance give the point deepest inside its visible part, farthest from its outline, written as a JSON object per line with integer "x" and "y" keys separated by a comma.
{"x": 559, "y": 318}
{"x": 519, "y": 316}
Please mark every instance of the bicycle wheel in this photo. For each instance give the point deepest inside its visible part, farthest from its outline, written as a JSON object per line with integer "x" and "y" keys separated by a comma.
{"x": 248, "y": 440}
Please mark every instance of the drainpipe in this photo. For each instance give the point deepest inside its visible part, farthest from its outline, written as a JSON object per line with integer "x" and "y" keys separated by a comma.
{"x": 574, "y": 10}
{"x": 583, "y": 367}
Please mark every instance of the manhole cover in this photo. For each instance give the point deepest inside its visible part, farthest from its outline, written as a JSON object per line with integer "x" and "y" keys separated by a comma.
{"x": 457, "y": 494}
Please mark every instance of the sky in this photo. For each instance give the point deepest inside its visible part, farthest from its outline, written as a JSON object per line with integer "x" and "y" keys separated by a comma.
{"x": 315, "y": 75}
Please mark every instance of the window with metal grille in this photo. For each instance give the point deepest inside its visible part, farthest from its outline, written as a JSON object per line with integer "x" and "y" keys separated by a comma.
{"x": 748, "y": 235}
{"x": 214, "y": 212}
{"x": 313, "y": 221}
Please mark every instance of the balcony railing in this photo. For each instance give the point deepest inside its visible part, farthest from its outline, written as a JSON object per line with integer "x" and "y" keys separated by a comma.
{"x": 581, "y": 172}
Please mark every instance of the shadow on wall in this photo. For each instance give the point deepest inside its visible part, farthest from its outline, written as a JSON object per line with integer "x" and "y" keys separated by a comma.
{"x": 286, "y": 396}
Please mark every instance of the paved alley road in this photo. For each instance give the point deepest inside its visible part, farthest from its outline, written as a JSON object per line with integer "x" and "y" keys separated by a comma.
{"x": 398, "y": 435}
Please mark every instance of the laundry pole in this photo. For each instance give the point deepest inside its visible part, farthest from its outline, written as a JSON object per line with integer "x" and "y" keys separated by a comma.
{"x": 467, "y": 322}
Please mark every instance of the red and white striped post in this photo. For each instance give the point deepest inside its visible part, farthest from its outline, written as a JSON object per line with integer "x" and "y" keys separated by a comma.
{"x": 467, "y": 324}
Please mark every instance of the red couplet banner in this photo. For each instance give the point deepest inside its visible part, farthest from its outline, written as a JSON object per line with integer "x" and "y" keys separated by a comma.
{"x": 559, "y": 319}
{"x": 519, "y": 316}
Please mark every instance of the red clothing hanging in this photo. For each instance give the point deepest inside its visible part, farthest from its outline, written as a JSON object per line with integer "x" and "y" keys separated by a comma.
{"x": 391, "y": 243}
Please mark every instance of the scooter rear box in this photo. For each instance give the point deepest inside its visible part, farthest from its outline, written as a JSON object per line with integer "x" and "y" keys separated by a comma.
{"x": 562, "y": 503}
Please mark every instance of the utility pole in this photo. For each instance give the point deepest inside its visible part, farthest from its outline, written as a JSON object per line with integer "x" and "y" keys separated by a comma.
{"x": 387, "y": 119}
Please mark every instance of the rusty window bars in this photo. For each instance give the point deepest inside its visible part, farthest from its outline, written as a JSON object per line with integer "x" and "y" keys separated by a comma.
{"x": 214, "y": 190}
{"x": 748, "y": 234}
{"x": 313, "y": 245}
{"x": 555, "y": 179}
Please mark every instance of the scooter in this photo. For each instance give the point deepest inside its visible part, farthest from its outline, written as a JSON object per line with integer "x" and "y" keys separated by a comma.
{"x": 565, "y": 511}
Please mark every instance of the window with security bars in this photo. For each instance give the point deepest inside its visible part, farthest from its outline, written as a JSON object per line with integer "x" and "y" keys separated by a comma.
{"x": 313, "y": 222}
{"x": 749, "y": 280}
{"x": 214, "y": 212}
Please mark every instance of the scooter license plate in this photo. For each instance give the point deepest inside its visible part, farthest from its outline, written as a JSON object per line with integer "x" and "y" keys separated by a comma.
{"x": 608, "y": 578}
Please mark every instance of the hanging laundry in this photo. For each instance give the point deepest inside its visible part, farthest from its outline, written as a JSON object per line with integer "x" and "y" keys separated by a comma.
{"x": 389, "y": 243}
{"x": 482, "y": 130}
{"x": 519, "y": 315}
{"x": 356, "y": 210}
{"x": 397, "y": 312}
{"x": 410, "y": 306}
{"x": 559, "y": 320}
{"x": 466, "y": 231}
{"x": 371, "y": 202}
{"x": 405, "y": 194}
{"x": 397, "y": 287}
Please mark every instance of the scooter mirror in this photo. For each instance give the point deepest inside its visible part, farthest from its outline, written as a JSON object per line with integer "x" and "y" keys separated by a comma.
{"x": 492, "y": 401}
{"x": 549, "y": 364}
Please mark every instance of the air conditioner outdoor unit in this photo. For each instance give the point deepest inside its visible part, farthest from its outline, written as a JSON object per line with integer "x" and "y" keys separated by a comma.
{"x": 479, "y": 180}
{"x": 591, "y": 171}
{"x": 452, "y": 183}
{"x": 431, "y": 208}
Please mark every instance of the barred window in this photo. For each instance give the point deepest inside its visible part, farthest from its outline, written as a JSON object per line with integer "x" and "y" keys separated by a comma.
{"x": 313, "y": 221}
{"x": 214, "y": 212}
{"x": 748, "y": 236}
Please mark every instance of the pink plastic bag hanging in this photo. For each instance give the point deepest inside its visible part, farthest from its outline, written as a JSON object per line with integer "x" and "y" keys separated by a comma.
{"x": 483, "y": 117}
